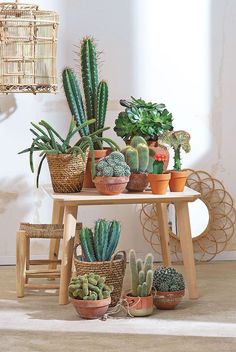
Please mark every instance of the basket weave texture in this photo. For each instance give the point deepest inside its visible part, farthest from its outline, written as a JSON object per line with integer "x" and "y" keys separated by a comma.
{"x": 113, "y": 270}
{"x": 67, "y": 172}
{"x": 46, "y": 230}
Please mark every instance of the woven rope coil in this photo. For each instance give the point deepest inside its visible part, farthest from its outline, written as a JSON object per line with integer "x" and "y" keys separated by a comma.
{"x": 45, "y": 230}
{"x": 67, "y": 172}
{"x": 113, "y": 270}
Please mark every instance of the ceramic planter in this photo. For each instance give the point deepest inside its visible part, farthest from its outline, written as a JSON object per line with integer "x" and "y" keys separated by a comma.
{"x": 98, "y": 154}
{"x": 137, "y": 182}
{"x": 159, "y": 182}
{"x": 178, "y": 180}
{"x": 110, "y": 185}
{"x": 89, "y": 309}
{"x": 167, "y": 300}
{"x": 139, "y": 306}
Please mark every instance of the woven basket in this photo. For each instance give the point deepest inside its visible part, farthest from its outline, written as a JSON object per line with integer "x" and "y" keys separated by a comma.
{"x": 67, "y": 172}
{"x": 113, "y": 270}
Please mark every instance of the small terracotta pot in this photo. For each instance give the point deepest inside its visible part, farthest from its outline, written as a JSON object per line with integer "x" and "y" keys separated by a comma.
{"x": 139, "y": 306}
{"x": 91, "y": 309}
{"x": 111, "y": 185}
{"x": 98, "y": 154}
{"x": 178, "y": 180}
{"x": 137, "y": 182}
{"x": 167, "y": 300}
{"x": 159, "y": 182}
{"x": 160, "y": 150}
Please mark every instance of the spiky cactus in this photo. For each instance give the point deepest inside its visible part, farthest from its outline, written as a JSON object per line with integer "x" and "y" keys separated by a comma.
{"x": 95, "y": 92}
{"x": 100, "y": 244}
{"x": 167, "y": 279}
{"x": 89, "y": 287}
{"x": 113, "y": 165}
{"x": 141, "y": 274}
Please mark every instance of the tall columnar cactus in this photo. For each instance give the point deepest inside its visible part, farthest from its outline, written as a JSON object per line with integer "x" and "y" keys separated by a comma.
{"x": 113, "y": 165}
{"x": 141, "y": 274}
{"x": 100, "y": 244}
{"x": 89, "y": 287}
{"x": 137, "y": 155}
{"x": 95, "y": 92}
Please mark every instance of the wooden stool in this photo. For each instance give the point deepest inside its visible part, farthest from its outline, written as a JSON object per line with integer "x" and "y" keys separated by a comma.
{"x": 23, "y": 261}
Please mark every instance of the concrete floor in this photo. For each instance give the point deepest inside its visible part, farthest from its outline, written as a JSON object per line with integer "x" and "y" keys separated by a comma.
{"x": 37, "y": 323}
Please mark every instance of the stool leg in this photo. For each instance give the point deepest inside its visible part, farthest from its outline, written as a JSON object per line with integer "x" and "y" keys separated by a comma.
{"x": 164, "y": 233}
{"x": 27, "y": 256}
{"x": 21, "y": 251}
{"x": 57, "y": 218}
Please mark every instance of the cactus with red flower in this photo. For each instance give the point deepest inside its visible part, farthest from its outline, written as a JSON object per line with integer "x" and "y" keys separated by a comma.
{"x": 159, "y": 160}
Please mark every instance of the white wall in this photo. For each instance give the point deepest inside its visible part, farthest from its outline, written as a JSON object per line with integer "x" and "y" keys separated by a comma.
{"x": 180, "y": 52}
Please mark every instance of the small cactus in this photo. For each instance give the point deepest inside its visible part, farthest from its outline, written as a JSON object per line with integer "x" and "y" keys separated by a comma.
{"x": 113, "y": 165}
{"x": 137, "y": 155}
{"x": 167, "y": 279}
{"x": 88, "y": 287}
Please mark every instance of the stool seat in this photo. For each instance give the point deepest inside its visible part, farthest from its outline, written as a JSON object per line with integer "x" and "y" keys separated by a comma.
{"x": 30, "y": 231}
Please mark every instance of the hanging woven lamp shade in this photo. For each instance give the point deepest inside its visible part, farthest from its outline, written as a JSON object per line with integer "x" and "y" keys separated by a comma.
{"x": 28, "y": 43}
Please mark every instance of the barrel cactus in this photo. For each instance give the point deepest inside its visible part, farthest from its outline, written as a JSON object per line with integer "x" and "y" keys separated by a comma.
{"x": 100, "y": 244}
{"x": 167, "y": 279}
{"x": 89, "y": 287}
{"x": 113, "y": 165}
{"x": 141, "y": 274}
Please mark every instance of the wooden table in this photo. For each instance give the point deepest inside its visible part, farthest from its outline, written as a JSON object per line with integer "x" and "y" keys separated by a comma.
{"x": 66, "y": 206}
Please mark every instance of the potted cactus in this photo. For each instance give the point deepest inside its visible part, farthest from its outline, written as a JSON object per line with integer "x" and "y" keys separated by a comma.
{"x": 177, "y": 140}
{"x": 90, "y": 295}
{"x": 98, "y": 254}
{"x": 169, "y": 287}
{"x": 140, "y": 159}
{"x": 158, "y": 180}
{"x": 140, "y": 299}
{"x": 94, "y": 105}
{"x": 112, "y": 174}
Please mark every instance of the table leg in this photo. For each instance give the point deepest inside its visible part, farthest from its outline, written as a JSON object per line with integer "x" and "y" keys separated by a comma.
{"x": 70, "y": 217}
{"x": 57, "y": 218}
{"x": 164, "y": 233}
{"x": 184, "y": 233}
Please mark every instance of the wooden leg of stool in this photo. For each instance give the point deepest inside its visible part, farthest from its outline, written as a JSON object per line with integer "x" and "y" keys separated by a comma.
{"x": 164, "y": 233}
{"x": 57, "y": 218}
{"x": 21, "y": 250}
{"x": 27, "y": 239}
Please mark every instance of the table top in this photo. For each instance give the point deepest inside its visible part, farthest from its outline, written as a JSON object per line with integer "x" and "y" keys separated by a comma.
{"x": 90, "y": 196}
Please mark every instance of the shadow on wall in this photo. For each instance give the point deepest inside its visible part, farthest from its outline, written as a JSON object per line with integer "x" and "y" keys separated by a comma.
{"x": 7, "y": 106}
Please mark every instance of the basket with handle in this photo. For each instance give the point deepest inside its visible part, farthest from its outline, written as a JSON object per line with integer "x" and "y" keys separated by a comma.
{"x": 113, "y": 270}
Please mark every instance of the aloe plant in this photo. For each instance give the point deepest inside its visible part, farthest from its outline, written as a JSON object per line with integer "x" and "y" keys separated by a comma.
{"x": 48, "y": 141}
{"x": 95, "y": 94}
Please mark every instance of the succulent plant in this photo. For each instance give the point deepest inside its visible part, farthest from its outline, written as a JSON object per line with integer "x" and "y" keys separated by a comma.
{"x": 141, "y": 274}
{"x": 158, "y": 163}
{"x": 167, "y": 279}
{"x": 113, "y": 165}
{"x": 89, "y": 287}
{"x": 100, "y": 244}
{"x": 176, "y": 140}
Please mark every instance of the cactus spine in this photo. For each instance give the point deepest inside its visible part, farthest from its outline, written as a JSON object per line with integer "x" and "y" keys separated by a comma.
{"x": 100, "y": 244}
{"x": 137, "y": 155}
{"x": 141, "y": 274}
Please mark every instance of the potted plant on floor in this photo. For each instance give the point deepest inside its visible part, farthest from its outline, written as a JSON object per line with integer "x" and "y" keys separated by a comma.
{"x": 98, "y": 248}
{"x": 112, "y": 174}
{"x": 177, "y": 140}
{"x": 140, "y": 159}
{"x": 169, "y": 287}
{"x": 90, "y": 295}
{"x": 66, "y": 163}
{"x": 140, "y": 300}
{"x": 159, "y": 181}
{"x": 145, "y": 119}
{"x": 94, "y": 105}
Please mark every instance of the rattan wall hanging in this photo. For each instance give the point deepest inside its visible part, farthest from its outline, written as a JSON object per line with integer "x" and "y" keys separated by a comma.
{"x": 221, "y": 224}
{"x": 28, "y": 42}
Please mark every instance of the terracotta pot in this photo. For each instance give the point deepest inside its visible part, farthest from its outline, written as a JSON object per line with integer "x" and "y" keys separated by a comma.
{"x": 91, "y": 309}
{"x": 139, "y": 306}
{"x": 178, "y": 181}
{"x": 137, "y": 182}
{"x": 160, "y": 150}
{"x": 98, "y": 154}
{"x": 110, "y": 185}
{"x": 167, "y": 300}
{"x": 159, "y": 182}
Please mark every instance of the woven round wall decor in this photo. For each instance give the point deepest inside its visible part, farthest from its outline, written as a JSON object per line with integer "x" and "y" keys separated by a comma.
{"x": 221, "y": 224}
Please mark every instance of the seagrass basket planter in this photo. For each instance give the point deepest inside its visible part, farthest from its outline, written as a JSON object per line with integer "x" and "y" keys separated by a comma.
{"x": 67, "y": 172}
{"x": 28, "y": 43}
{"x": 113, "y": 270}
